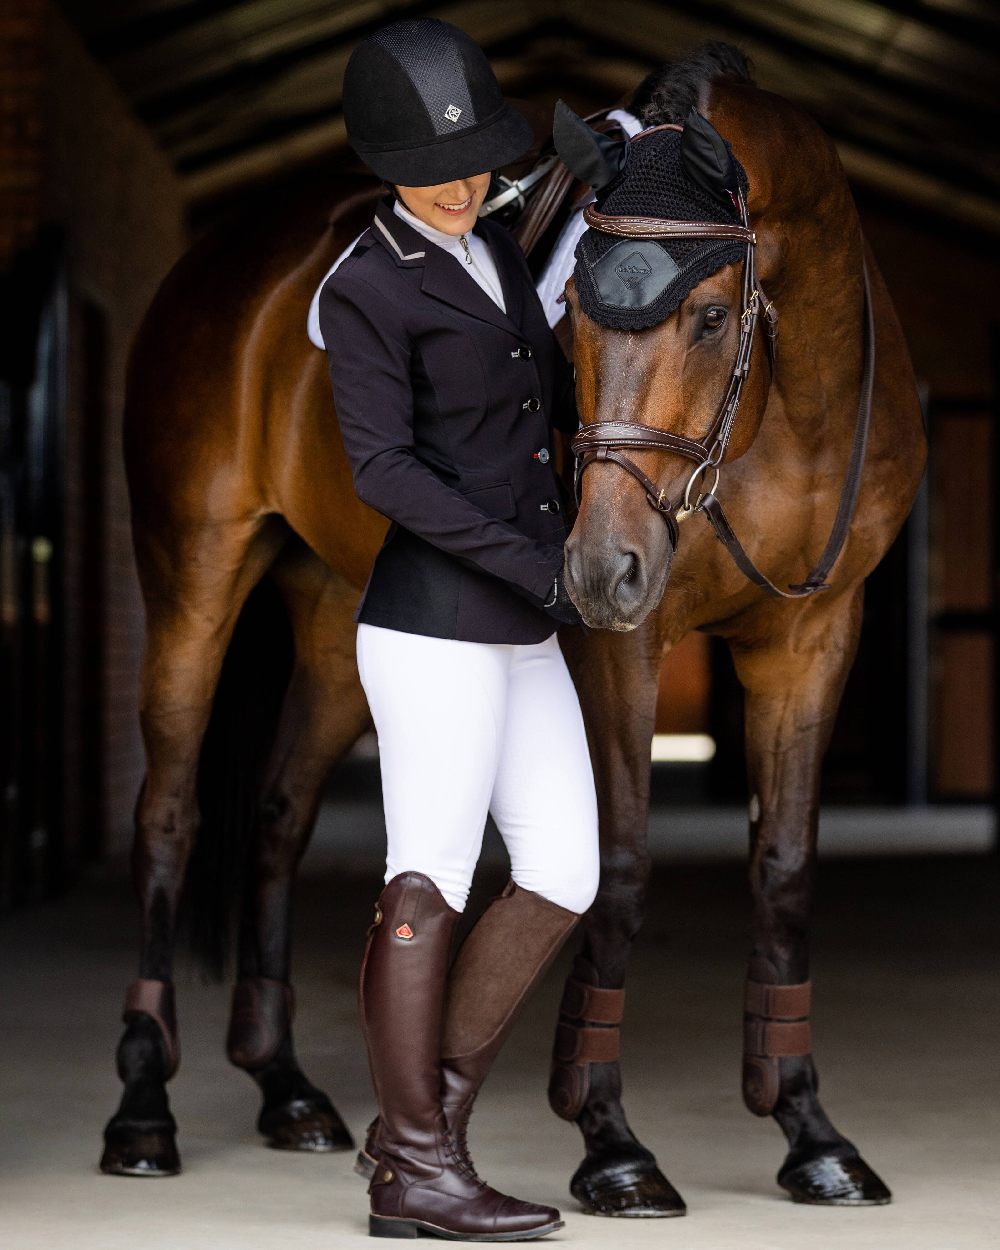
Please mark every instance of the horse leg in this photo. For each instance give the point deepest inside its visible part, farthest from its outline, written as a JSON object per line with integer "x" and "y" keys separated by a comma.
{"x": 793, "y": 690}
{"x": 616, "y": 678}
{"x": 195, "y": 582}
{"x": 323, "y": 713}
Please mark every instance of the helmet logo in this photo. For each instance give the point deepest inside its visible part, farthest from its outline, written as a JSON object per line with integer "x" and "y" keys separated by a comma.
{"x": 453, "y": 112}
{"x": 404, "y": 931}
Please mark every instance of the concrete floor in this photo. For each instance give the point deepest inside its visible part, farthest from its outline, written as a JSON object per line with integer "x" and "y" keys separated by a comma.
{"x": 906, "y": 1026}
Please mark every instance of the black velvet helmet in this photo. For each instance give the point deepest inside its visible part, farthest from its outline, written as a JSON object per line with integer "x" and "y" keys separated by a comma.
{"x": 422, "y": 105}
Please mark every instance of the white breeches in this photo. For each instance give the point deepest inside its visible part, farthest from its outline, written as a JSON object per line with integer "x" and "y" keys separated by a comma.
{"x": 470, "y": 728}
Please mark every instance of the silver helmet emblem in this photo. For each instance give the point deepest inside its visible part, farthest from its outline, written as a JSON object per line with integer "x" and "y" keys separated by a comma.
{"x": 453, "y": 112}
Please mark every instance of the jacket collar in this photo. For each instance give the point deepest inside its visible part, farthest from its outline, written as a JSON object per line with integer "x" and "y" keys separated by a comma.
{"x": 441, "y": 277}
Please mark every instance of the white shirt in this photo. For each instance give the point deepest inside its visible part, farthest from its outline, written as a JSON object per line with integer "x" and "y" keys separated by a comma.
{"x": 482, "y": 268}
{"x": 562, "y": 258}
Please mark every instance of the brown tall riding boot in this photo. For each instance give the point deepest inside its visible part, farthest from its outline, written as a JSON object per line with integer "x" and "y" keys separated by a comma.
{"x": 498, "y": 965}
{"x": 421, "y": 1182}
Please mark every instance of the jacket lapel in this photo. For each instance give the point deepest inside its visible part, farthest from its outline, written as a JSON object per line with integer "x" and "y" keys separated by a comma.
{"x": 443, "y": 279}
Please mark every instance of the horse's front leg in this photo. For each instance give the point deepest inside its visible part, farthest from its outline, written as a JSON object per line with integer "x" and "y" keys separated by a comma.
{"x": 616, "y": 677}
{"x": 793, "y": 689}
{"x": 322, "y": 715}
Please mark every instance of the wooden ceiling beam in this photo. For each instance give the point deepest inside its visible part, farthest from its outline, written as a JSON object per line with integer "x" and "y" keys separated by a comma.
{"x": 322, "y": 137}
{"x": 113, "y": 28}
{"x": 241, "y": 90}
{"x": 256, "y": 38}
{"x": 751, "y": 25}
{"x": 258, "y": 99}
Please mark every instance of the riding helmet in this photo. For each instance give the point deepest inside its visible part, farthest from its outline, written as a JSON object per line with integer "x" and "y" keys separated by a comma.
{"x": 422, "y": 105}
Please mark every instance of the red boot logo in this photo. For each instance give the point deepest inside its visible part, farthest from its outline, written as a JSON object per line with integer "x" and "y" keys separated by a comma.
{"x": 404, "y": 931}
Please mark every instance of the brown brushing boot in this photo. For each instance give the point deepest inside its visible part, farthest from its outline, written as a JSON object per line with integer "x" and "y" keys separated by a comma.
{"x": 421, "y": 1183}
{"x": 484, "y": 997}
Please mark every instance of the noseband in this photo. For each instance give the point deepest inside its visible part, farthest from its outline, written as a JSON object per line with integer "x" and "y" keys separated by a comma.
{"x": 599, "y": 440}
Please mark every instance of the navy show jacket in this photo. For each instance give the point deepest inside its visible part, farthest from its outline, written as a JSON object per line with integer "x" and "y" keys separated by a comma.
{"x": 445, "y": 405}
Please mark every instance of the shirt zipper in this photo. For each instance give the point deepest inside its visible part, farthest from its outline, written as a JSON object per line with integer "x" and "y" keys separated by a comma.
{"x": 471, "y": 261}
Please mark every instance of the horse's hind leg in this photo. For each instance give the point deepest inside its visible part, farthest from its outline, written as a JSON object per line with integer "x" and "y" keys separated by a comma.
{"x": 793, "y": 689}
{"x": 616, "y": 677}
{"x": 323, "y": 713}
{"x": 195, "y": 579}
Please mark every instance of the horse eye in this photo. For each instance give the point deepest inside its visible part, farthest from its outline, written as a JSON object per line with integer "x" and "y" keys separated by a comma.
{"x": 715, "y": 318}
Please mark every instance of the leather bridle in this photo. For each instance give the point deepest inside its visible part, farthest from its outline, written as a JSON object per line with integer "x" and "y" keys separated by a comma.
{"x": 598, "y": 441}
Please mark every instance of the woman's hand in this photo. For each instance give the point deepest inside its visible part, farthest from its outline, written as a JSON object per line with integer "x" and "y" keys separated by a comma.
{"x": 560, "y": 606}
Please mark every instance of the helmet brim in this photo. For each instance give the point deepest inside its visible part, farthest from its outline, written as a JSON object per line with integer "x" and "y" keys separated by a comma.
{"x": 498, "y": 141}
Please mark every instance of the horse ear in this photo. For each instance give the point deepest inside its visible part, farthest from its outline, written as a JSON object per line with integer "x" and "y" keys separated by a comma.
{"x": 707, "y": 159}
{"x": 591, "y": 156}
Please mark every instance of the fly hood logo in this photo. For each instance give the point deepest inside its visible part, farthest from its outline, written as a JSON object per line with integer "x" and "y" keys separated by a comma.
{"x": 633, "y": 269}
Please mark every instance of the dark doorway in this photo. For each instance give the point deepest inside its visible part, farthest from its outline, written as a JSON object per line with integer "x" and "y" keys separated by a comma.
{"x": 32, "y": 400}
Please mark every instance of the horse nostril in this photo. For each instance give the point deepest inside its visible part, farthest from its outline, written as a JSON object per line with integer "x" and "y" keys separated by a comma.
{"x": 571, "y": 560}
{"x": 630, "y": 570}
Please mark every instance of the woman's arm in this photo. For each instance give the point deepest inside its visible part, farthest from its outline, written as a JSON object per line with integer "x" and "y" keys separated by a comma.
{"x": 369, "y": 359}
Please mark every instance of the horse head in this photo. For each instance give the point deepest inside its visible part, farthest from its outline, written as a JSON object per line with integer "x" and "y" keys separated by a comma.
{"x": 664, "y": 302}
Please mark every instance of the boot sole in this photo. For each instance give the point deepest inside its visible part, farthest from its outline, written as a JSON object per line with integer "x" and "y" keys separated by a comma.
{"x": 392, "y": 1226}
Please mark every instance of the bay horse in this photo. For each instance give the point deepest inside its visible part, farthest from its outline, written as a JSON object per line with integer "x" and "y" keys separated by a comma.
{"x": 252, "y": 550}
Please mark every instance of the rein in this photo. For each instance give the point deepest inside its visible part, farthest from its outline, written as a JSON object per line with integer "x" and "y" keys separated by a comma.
{"x": 598, "y": 440}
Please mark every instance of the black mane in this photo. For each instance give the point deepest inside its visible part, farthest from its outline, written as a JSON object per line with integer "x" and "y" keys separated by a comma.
{"x": 666, "y": 94}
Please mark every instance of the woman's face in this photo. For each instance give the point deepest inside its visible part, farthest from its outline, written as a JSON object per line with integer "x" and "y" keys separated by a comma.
{"x": 450, "y": 206}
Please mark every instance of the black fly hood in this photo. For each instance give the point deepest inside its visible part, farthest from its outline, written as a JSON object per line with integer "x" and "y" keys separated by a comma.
{"x": 688, "y": 175}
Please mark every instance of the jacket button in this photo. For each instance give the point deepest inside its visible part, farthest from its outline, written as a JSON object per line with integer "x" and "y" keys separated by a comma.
{"x": 541, "y": 455}
{"x": 550, "y": 505}
{"x": 532, "y": 405}
{"x": 522, "y": 352}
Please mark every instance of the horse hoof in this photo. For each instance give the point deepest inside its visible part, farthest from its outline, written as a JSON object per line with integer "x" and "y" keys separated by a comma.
{"x": 140, "y": 1152}
{"x": 305, "y": 1124}
{"x": 832, "y": 1181}
{"x": 632, "y": 1188}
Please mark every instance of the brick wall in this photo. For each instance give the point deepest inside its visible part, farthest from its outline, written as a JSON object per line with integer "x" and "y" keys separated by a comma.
{"x": 21, "y": 153}
{"x": 108, "y": 184}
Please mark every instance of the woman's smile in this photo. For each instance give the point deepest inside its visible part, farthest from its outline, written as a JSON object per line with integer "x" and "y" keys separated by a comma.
{"x": 456, "y": 210}
{"x": 449, "y": 206}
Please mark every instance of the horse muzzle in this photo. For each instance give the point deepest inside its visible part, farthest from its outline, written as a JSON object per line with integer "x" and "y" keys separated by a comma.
{"x": 614, "y": 586}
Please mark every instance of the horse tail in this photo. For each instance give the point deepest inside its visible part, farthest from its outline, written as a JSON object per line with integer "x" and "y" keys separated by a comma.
{"x": 234, "y": 754}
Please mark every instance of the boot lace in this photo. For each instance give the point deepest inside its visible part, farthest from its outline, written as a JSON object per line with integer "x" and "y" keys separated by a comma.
{"x": 458, "y": 1151}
